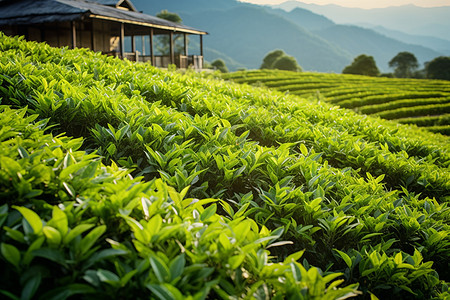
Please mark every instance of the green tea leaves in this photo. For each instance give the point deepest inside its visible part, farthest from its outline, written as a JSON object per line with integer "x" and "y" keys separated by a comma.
{"x": 11, "y": 254}
{"x": 32, "y": 218}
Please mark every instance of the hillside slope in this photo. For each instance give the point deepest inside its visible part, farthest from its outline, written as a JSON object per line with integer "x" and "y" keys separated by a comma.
{"x": 249, "y": 33}
{"x": 425, "y": 103}
{"x": 357, "y": 40}
{"x": 430, "y": 21}
{"x": 305, "y": 18}
{"x": 119, "y": 180}
{"x": 438, "y": 44}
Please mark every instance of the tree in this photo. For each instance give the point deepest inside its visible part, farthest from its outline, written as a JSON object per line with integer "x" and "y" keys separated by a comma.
{"x": 169, "y": 16}
{"x": 362, "y": 65}
{"x": 277, "y": 59}
{"x": 439, "y": 68}
{"x": 270, "y": 58}
{"x": 404, "y": 63}
{"x": 286, "y": 62}
{"x": 219, "y": 64}
{"x": 162, "y": 42}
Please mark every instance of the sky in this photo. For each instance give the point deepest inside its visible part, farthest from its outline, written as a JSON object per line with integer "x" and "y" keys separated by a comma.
{"x": 363, "y": 3}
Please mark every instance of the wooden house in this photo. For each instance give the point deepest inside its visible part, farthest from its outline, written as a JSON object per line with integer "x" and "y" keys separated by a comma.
{"x": 113, "y": 27}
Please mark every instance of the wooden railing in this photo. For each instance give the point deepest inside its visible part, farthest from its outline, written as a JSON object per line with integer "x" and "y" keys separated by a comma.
{"x": 163, "y": 61}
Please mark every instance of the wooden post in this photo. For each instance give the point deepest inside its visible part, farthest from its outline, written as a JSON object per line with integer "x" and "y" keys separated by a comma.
{"x": 185, "y": 44}
{"x": 143, "y": 44}
{"x": 201, "y": 45}
{"x": 74, "y": 35}
{"x": 133, "y": 47}
{"x": 122, "y": 40}
{"x": 92, "y": 36}
{"x": 42, "y": 31}
{"x": 172, "y": 52}
{"x": 151, "y": 47}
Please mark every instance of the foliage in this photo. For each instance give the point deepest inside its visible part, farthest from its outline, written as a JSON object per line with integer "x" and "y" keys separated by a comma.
{"x": 220, "y": 65}
{"x": 270, "y": 58}
{"x": 119, "y": 180}
{"x": 162, "y": 42}
{"x": 169, "y": 16}
{"x": 72, "y": 226}
{"x": 439, "y": 68}
{"x": 362, "y": 65}
{"x": 410, "y": 97}
{"x": 277, "y": 59}
{"x": 404, "y": 64}
{"x": 287, "y": 63}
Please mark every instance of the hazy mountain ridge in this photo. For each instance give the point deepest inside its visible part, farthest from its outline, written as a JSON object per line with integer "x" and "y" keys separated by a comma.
{"x": 305, "y": 18}
{"x": 411, "y": 19}
{"x": 437, "y": 44}
{"x": 251, "y": 39}
{"x": 242, "y": 34}
{"x": 357, "y": 40}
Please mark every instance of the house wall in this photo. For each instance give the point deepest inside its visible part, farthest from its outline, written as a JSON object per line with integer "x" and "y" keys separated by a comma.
{"x": 102, "y": 35}
{"x": 92, "y": 34}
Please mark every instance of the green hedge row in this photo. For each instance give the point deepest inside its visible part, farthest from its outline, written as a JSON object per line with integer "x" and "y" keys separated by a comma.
{"x": 427, "y": 121}
{"x": 367, "y": 95}
{"x": 286, "y": 185}
{"x": 373, "y": 109}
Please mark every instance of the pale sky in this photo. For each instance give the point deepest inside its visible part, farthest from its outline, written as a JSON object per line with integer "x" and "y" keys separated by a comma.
{"x": 363, "y": 3}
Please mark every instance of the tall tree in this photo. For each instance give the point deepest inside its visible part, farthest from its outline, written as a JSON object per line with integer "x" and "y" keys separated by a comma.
{"x": 162, "y": 42}
{"x": 439, "y": 68}
{"x": 270, "y": 58}
{"x": 220, "y": 65}
{"x": 286, "y": 62}
{"x": 363, "y": 65}
{"x": 404, "y": 64}
{"x": 277, "y": 59}
{"x": 169, "y": 16}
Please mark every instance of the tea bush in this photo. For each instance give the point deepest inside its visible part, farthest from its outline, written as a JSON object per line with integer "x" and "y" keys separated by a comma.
{"x": 389, "y": 98}
{"x": 121, "y": 180}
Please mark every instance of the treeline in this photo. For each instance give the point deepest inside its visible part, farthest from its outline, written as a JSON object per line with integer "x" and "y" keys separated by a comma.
{"x": 405, "y": 65}
{"x": 400, "y": 99}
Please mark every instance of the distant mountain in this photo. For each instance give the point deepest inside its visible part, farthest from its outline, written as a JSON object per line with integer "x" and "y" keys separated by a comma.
{"x": 430, "y": 21}
{"x": 242, "y": 34}
{"x": 357, "y": 40}
{"x": 437, "y": 44}
{"x": 212, "y": 54}
{"x": 247, "y": 33}
{"x": 305, "y": 18}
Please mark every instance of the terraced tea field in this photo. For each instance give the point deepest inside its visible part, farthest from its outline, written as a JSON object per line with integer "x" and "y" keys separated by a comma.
{"x": 425, "y": 103}
{"x": 122, "y": 181}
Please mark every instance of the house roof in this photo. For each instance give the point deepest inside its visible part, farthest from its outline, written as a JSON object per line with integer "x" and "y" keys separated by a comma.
{"x": 22, "y": 12}
{"x": 116, "y": 3}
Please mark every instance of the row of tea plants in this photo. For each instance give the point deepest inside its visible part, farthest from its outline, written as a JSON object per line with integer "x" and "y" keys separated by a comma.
{"x": 425, "y": 103}
{"x": 121, "y": 180}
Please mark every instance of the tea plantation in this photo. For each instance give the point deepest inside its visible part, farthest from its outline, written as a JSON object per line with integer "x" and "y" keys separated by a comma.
{"x": 122, "y": 181}
{"x": 425, "y": 103}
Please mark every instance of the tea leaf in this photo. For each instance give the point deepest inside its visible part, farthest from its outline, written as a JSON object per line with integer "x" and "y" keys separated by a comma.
{"x": 88, "y": 241}
{"x": 32, "y": 218}
{"x": 176, "y": 266}
{"x": 345, "y": 257}
{"x": 53, "y": 236}
{"x": 11, "y": 254}
{"x": 160, "y": 269}
{"x": 208, "y": 212}
{"x": 78, "y": 230}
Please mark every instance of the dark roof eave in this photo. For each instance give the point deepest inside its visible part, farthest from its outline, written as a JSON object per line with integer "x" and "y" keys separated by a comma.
{"x": 176, "y": 29}
{"x": 41, "y": 19}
